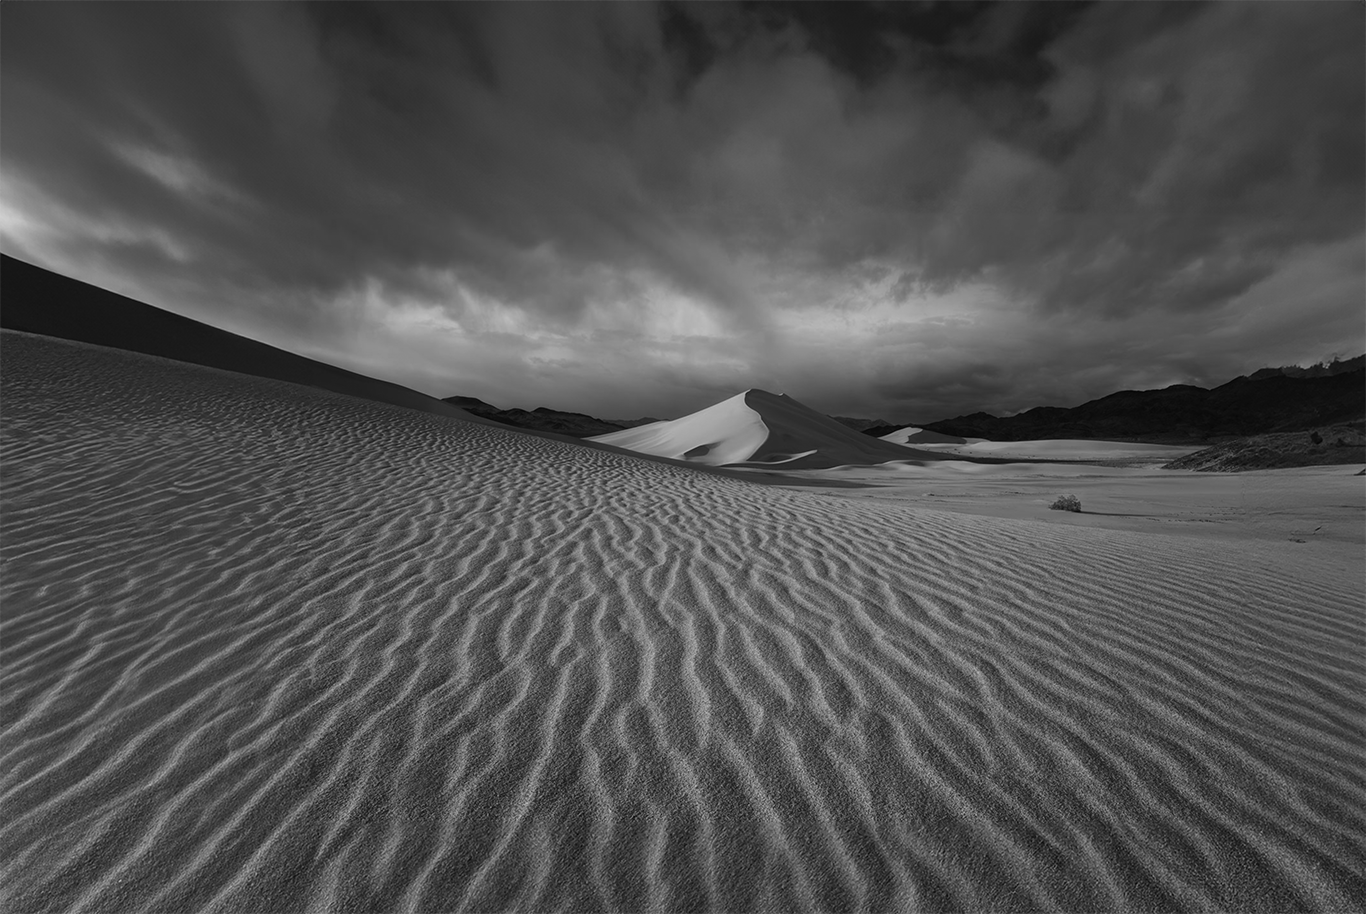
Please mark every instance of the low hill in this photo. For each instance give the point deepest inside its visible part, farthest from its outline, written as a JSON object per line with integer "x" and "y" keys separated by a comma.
{"x": 1329, "y": 446}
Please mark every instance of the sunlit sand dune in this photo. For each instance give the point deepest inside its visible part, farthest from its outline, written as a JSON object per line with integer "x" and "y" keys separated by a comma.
{"x": 272, "y": 648}
{"x": 757, "y": 428}
{"x": 917, "y": 436}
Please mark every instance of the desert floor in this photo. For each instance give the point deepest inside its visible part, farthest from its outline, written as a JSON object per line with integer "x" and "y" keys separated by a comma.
{"x": 271, "y": 648}
{"x": 1323, "y": 508}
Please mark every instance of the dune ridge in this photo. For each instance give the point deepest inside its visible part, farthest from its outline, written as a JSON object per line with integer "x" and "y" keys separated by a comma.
{"x": 271, "y": 648}
{"x": 758, "y": 428}
{"x": 914, "y": 435}
{"x": 43, "y": 302}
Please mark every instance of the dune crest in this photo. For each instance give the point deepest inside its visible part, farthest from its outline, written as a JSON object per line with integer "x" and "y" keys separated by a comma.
{"x": 43, "y": 302}
{"x": 758, "y": 428}
{"x": 727, "y": 432}
{"x": 913, "y": 435}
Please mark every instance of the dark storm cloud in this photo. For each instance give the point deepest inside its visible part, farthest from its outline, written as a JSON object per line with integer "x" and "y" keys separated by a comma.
{"x": 918, "y": 208}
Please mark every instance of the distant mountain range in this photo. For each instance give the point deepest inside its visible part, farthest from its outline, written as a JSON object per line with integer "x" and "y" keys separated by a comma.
{"x": 1271, "y": 400}
{"x": 1321, "y": 370}
{"x": 862, "y": 425}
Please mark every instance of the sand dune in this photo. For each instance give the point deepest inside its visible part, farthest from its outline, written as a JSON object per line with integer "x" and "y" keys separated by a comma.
{"x": 41, "y": 301}
{"x": 757, "y": 428}
{"x": 913, "y": 435}
{"x": 272, "y": 648}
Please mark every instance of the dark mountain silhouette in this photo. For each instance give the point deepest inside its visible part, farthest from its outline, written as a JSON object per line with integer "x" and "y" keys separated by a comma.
{"x": 862, "y": 425}
{"x": 577, "y": 425}
{"x": 1321, "y": 370}
{"x": 1183, "y": 414}
{"x": 469, "y": 403}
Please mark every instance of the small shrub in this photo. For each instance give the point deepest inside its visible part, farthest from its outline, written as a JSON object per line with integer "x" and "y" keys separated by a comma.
{"x": 1066, "y": 503}
{"x": 1316, "y": 438}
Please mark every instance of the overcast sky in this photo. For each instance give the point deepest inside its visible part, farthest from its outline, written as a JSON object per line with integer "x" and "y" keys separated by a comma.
{"x": 907, "y": 211}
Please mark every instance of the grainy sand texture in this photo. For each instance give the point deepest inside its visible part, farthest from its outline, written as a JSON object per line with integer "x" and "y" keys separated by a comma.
{"x": 269, "y": 648}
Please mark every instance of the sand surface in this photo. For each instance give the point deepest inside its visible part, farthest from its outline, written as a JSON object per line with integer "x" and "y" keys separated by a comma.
{"x": 272, "y": 648}
{"x": 1323, "y": 508}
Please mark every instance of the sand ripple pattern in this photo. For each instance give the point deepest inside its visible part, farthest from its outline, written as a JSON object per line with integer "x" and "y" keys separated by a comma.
{"x": 268, "y": 648}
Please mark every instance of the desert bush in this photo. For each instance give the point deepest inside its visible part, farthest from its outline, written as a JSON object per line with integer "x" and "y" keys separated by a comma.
{"x": 1066, "y": 503}
{"x": 1316, "y": 437}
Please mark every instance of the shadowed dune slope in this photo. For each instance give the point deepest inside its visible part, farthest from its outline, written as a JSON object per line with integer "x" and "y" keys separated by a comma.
{"x": 759, "y": 428}
{"x": 36, "y": 300}
{"x": 270, "y": 648}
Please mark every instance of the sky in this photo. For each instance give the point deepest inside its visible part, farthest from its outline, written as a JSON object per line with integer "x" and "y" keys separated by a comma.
{"x": 905, "y": 211}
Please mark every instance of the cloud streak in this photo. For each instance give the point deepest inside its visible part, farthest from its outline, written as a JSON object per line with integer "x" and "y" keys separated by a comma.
{"x": 900, "y": 210}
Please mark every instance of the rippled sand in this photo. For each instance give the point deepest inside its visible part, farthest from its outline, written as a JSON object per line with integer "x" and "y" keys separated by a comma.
{"x": 270, "y": 648}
